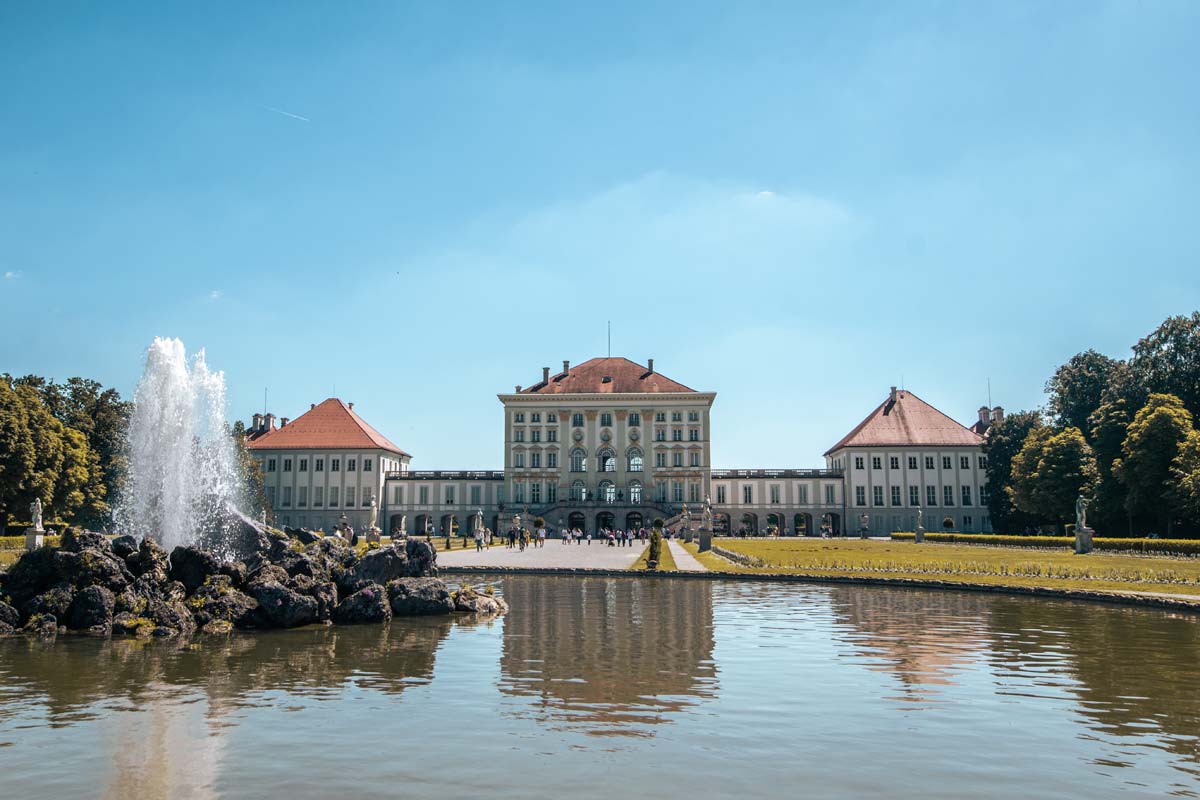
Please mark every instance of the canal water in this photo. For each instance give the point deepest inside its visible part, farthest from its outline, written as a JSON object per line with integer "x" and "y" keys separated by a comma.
{"x": 619, "y": 687}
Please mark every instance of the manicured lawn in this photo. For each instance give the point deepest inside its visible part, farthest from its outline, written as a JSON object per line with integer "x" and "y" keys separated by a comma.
{"x": 666, "y": 562}
{"x": 962, "y": 564}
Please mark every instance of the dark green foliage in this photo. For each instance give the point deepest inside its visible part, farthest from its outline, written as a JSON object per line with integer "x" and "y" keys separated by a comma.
{"x": 1076, "y": 389}
{"x": 1168, "y": 360}
{"x": 654, "y": 554}
{"x": 1002, "y": 445}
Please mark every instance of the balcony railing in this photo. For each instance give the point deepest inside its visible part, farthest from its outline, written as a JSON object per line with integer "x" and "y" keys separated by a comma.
{"x": 720, "y": 474}
{"x": 447, "y": 475}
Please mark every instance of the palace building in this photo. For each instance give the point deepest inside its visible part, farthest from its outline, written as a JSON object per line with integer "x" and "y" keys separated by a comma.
{"x": 612, "y": 443}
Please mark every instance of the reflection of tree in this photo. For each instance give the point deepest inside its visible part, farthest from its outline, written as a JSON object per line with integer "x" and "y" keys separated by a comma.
{"x": 609, "y": 654}
{"x": 1134, "y": 670}
{"x": 923, "y": 637}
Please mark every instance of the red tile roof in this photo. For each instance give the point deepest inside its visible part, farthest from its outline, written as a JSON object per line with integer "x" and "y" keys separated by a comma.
{"x": 608, "y": 376}
{"x": 908, "y": 421}
{"x": 328, "y": 425}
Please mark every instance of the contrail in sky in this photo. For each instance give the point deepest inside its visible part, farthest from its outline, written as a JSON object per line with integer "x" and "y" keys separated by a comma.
{"x": 287, "y": 114}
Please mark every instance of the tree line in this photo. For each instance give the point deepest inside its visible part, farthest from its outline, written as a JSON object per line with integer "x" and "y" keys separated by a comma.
{"x": 1122, "y": 432}
{"x": 65, "y": 443}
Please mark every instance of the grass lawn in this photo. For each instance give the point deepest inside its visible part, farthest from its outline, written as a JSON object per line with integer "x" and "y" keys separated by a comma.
{"x": 967, "y": 564}
{"x": 666, "y": 561}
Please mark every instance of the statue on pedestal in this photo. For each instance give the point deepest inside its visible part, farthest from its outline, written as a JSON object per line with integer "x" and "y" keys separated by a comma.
{"x": 1081, "y": 504}
{"x": 920, "y": 524}
{"x": 35, "y": 514}
{"x": 374, "y": 512}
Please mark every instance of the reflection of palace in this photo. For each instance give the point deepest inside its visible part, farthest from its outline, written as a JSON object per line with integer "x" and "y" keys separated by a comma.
{"x": 610, "y": 654}
{"x": 611, "y": 443}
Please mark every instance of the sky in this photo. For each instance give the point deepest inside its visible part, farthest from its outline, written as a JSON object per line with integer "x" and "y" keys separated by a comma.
{"x": 417, "y": 206}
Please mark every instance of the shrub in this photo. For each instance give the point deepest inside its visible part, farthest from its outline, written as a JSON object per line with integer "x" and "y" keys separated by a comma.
{"x": 658, "y": 523}
{"x": 1174, "y": 547}
{"x": 948, "y": 523}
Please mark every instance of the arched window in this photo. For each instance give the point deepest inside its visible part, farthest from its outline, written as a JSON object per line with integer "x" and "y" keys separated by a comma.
{"x": 635, "y": 459}
{"x": 578, "y": 491}
{"x": 606, "y": 461}
{"x": 578, "y": 460}
{"x": 635, "y": 492}
{"x": 608, "y": 492}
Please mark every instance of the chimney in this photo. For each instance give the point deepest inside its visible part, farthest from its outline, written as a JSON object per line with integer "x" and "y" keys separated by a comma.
{"x": 283, "y": 421}
{"x": 350, "y": 406}
{"x": 311, "y": 406}
{"x": 269, "y": 422}
{"x": 892, "y": 395}
{"x": 517, "y": 390}
{"x": 566, "y": 367}
{"x": 984, "y": 415}
{"x": 997, "y": 415}
{"x": 545, "y": 374}
{"x": 258, "y": 422}
{"x": 649, "y": 365}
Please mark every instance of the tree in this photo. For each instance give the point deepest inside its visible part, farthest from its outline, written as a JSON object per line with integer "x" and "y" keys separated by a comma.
{"x": 1109, "y": 426}
{"x": 1185, "y": 473}
{"x": 1050, "y": 472}
{"x": 254, "y": 492}
{"x": 1168, "y": 360}
{"x": 1077, "y": 387}
{"x": 16, "y": 452}
{"x": 1150, "y": 448}
{"x": 1003, "y": 443}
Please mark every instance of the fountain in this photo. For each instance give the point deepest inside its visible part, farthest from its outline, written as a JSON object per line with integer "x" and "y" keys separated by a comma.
{"x": 183, "y": 485}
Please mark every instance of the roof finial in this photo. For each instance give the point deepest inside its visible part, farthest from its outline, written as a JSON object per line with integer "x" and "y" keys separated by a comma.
{"x": 610, "y": 338}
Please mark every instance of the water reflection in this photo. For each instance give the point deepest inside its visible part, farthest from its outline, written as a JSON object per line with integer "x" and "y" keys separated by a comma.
{"x": 609, "y": 656}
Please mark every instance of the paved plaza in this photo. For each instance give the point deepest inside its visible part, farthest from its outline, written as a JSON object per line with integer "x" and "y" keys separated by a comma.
{"x": 555, "y": 555}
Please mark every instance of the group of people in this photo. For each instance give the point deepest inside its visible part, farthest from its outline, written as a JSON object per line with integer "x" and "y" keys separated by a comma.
{"x": 613, "y": 537}
{"x": 519, "y": 538}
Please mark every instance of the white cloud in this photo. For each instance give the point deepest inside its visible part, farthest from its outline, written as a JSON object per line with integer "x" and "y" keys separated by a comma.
{"x": 214, "y": 295}
{"x": 12, "y": 274}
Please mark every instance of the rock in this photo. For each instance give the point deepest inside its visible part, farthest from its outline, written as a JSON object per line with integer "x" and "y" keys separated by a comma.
{"x": 301, "y": 583}
{"x": 173, "y": 592}
{"x": 421, "y": 555}
{"x": 335, "y": 549}
{"x": 42, "y": 625}
{"x": 149, "y": 559}
{"x": 127, "y": 624}
{"x": 281, "y": 607}
{"x": 316, "y": 567}
{"x": 217, "y": 600}
{"x": 76, "y": 541}
{"x": 9, "y": 615}
{"x": 124, "y": 546}
{"x": 54, "y": 602}
{"x": 6, "y": 629}
{"x": 419, "y": 596}
{"x": 368, "y": 604}
{"x": 326, "y": 596}
{"x": 92, "y": 567}
{"x": 170, "y": 618}
{"x": 92, "y": 610}
{"x": 216, "y": 627}
{"x": 192, "y": 566}
{"x": 471, "y": 601}
{"x": 268, "y": 573}
{"x": 237, "y": 572}
{"x": 33, "y": 573}
{"x": 377, "y": 566}
{"x": 307, "y": 537}
{"x": 129, "y": 602}
{"x": 281, "y": 547}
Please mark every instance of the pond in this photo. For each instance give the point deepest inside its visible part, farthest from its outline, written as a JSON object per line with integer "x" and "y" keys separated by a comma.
{"x": 625, "y": 687}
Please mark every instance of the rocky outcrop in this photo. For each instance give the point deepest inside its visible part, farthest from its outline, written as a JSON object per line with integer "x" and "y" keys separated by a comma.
{"x": 471, "y": 601}
{"x": 134, "y": 588}
{"x": 418, "y": 597}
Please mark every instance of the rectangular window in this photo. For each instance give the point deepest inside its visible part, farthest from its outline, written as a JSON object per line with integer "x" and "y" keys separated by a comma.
{"x": 535, "y": 492}
{"x": 677, "y": 492}
{"x": 304, "y": 465}
{"x": 876, "y": 462}
{"x": 635, "y": 419}
{"x": 535, "y": 436}
{"x": 551, "y": 417}
{"x": 335, "y": 464}
{"x": 302, "y": 497}
{"x": 287, "y": 465}
{"x": 677, "y": 435}
{"x": 748, "y": 495}
{"x": 535, "y": 460}
{"x": 660, "y": 417}
{"x": 287, "y": 496}
{"x": 349, "y": 465}
{"x": 928, "y": 462}
{"x": 693, "y": 416}
{"x": 695, "y": 459}
{"x": 318, "y": 496}
{"x": 858, "y": 462}
{"x": 551, "y": 492}
{"x": 948, "y": 495}
{"x": 423, "y": 495}
{"x": 693, "y": 435}
{"x": 775, "y": 494}
{"x": 983, "y": 462}
{"x": 552, "y": 459}
{"x": 519, "y": 416}
{"x": 660, "y": 459}
{"x": 333, "y": 496}
{"x": 984, "y": 496}
{"x": 349, "y": 496}
{"x": 536, "y": 416}
{"x": 894, "y": 462}
{"x": 720, "y": 494}
{"x": 518, "y": 493}
{"x": 552, "y": 435}
{"x": 677, "y": 460}
{"x": 693, "y": 493}
{"x": 449, "y": 495}
{"x": 946, "y": 462}
{"x": 895, "y": 495}
{"x": 270, "y": 465}
{"x": 606, "y": 420}
{"x": 912, "y": 462}
{"x": 877, "y": 495}
{"x": 676, "y": 416}
{"x": 319, "y": 465}
{"x": 577, "y": 420}
{"x": 964, "y": 462}
{"x": 966, "y": 495}
{"x": 397, "y": 497}
{"x": 271, "y": 496}
{"x": 518, "y": 460}
{"x": 660, "y": 435}
{"x": 366, "y": 465}
{"x": 518, "y": 436}
{"x": 914, "y": 496}
{"x": 930, "y": 495}
{"x": 802, "y": 495}
{"x": 475, "y": 491}
{"x": 860, "y": 496}
{"x": 968, "y": 521}
{"x": 830, "y": 494}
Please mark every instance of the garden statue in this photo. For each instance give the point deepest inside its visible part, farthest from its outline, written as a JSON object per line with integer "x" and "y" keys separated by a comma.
{"x": 374, "y": 513}
{"x": 864, "y": 526}
{"x": 920, "y": 525}
{"x": 1083, "y": 534}
{"x": 35, "y": 514}
{"x": 1081, "y": 504}
{"x": 404, "y": 527}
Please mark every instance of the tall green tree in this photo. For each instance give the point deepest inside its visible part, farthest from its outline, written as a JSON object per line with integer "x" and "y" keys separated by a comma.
{"x": 1050, "y": 472}
{"x": 1151, "y": 446}
{"x": 254, "y": 492}
{"x": 1109, "y": 425}
{"x": 1077, "y": 387}
{"x": 17, "y": 456}
{"x": 1003, "y": 443}
{"x": 1186, "y": 478}
{"x": 1168, "y": 360}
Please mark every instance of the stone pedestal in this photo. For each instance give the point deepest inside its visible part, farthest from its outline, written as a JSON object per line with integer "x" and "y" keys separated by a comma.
{"x": 920, "y": 534}
{"x": 1083, "y": 540}
{"x": 34, "y": 538}
{"x": 705, "y": 541}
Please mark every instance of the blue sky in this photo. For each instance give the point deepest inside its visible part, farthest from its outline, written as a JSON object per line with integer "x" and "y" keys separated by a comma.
{"x": 421, "y": 204}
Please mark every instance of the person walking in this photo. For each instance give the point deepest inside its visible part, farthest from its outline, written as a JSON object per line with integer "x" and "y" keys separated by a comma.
{"x": 479, "y": 540}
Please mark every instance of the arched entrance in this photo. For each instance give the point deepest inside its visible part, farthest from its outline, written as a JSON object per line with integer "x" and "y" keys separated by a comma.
{"x": 633, "y": 520}
{"x": 423, "y": 525}
{"x": 721, "y": 524}
{"x": 803, "y": 524}
{"x": 831, "y": 524}
{"x": 775, "y": 524}
{"x": 449, "y": 525}
{"x": 605, "y": 519}
{"x": 396, "y": 524}
{"x": 577, "y": 521}
{"x": 749, "y": 525}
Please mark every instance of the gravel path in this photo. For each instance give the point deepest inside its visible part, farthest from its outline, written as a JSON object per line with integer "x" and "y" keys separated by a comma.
{"x": 684, "y": 561}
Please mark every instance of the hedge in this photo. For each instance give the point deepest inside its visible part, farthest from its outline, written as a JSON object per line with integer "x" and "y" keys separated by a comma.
{"x": 1174, "y": 547}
